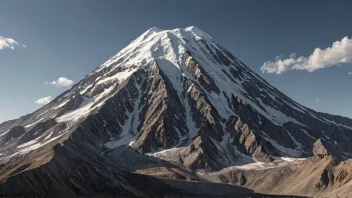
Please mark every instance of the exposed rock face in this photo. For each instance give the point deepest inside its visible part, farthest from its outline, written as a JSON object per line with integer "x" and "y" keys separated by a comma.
{"x": 319, "y": 148}
{"x": 248, "y": 142}
{"x": 176, "y": 96}
{"x": 14, "y": 132}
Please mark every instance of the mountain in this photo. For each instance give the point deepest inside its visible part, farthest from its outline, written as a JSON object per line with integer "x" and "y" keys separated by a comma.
{"x": 174, "y": 99}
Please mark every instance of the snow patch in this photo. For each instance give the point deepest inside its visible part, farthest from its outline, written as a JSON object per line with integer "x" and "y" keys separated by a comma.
{"x": 34, "y": 123}
{"x": 288, "y": 151}
{"x": 130, "y": 128}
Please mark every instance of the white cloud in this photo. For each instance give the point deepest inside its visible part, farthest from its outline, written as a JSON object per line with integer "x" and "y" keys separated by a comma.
{"x": 44, "y": 100}
{"x": 340, "y": 52}
{"x": 24, "y": 46}
{"x": 7, "y": 43}
{"x": 349, "y": 73}
{"x": 317, "y": 100}
{"x": 61, "y": 82}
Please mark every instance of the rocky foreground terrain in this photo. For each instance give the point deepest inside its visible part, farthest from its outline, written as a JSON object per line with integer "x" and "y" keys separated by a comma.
{"x": 174, "y": 114}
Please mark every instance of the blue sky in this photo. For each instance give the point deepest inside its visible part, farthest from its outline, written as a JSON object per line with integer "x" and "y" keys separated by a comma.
{"x": 65, "y": 38}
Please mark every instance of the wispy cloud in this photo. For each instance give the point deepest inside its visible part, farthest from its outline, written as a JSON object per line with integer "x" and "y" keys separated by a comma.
{"x": 349, "y": 73}
{"x": 7, "y": 43}
{"x": 340, "y": 52}
{"x": 317, "y": 100}
{"x": 61, "y": 82}
{"x": 44, "y": 100}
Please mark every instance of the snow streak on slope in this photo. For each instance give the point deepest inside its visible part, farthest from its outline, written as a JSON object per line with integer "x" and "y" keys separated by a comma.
{"x": 85, "y": 108}
{"x": 129, "y": 129}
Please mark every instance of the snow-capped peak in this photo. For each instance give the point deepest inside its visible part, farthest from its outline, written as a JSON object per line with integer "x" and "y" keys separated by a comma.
{"x": 197, "y": 32}
{"x": 168, "y": 48}
{"x": 155, "y": 29}
{"x": 142, "y": 48}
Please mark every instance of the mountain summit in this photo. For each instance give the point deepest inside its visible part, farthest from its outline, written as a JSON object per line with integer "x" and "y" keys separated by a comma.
{"x": 171, "y": 98}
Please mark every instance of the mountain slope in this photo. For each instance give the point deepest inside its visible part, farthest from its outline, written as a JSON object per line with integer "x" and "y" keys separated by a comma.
{"x": 176, "y": 95}
{"x": 319, "y": 176}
